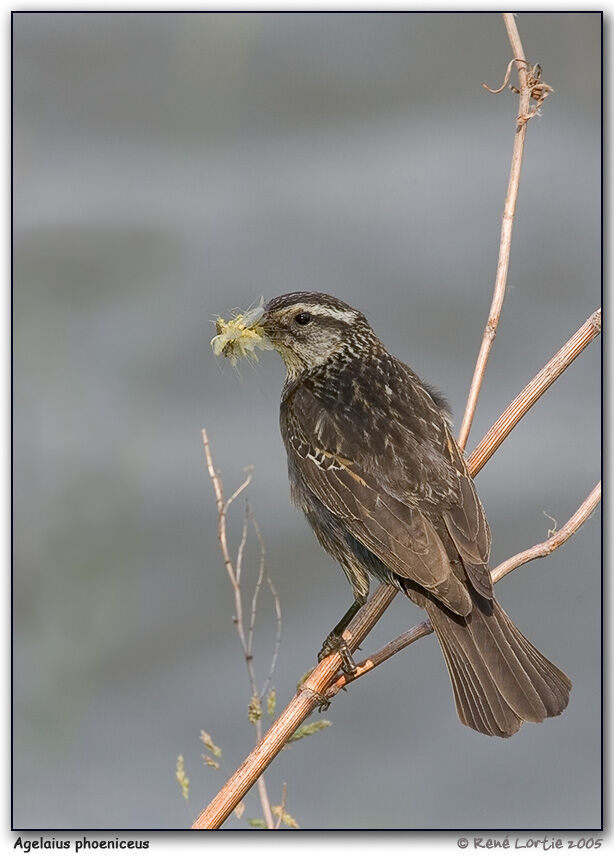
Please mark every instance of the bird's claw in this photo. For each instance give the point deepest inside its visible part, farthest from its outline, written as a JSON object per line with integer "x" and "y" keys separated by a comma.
{"x": 335, "y": 644}
{"x": 324, "y": 703}
{"x": 321, "y": 698}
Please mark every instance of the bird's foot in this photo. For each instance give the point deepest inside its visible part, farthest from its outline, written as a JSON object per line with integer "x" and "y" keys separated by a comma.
{"x": 321, "y": 698}
{"x": 336, "y": 644}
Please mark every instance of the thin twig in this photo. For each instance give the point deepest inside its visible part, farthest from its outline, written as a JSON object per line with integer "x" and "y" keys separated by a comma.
{"x": 277, "y": 605}
{"x": 307, "y": 698}
{"x": 379, "y": 657}
{"x": 244, "y": 484}
{"x": 425, "y": 629}
{"x": 222, "y": 510}
{"x": 282, "y": 807}
{"x": 243, "y": 541}
{"x": 277, "y": 643}
{"x": 534, "y": 390}
{"x": 252, "y": 619}
{"x": 559, "y": 537}
{"x": 234, "y": 574}
{"x": 506, "y": 229}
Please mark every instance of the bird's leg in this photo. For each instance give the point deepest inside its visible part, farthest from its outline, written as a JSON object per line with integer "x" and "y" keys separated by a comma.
{"x": 335, "y": 643}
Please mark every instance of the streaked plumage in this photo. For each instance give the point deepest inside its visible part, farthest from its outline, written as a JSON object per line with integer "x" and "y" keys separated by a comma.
{"x": 375, "y": 468}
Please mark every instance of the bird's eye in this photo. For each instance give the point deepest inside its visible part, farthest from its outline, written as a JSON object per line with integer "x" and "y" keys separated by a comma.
{"x": 303, "y": 318}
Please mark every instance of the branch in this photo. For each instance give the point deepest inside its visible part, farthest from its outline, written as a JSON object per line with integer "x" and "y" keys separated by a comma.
{"x": 425, "y": 629}
{"x": 277, "y": 605}
{"x": 252, "y": 619}
{"x": 282, "y": 807}
{"x": 506, "y": 226}
{"x": 546, "y": 547}
{"x": 234, "y": 574}
{"x": 309, "y": 696}
{"x": 533, "y": 391}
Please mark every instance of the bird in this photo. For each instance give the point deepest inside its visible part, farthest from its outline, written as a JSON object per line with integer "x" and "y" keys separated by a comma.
{"x": 375, "y": 468}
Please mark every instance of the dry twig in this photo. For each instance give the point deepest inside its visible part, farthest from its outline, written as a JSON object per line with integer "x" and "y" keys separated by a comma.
{"x": 555, "y": 540}
{"x": 534, "y": 390}
{"x": 234, "y": 574}
{"x": 527, "y": 84}
{"x": 282, "y": 807}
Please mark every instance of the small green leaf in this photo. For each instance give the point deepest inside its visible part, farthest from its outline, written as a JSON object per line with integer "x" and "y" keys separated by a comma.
{"x": 210, "y": 745}
{"x": 270, "y": 704}
{"x": 309, "y": 729}
{"x": 257, "y": 822}
{"x": 254, "y": 710}
{"x": 181, "y": 777}
{"x": 303, "y": 678}
{"x": 210, "y": 762}
{"x": 286, "y": 818}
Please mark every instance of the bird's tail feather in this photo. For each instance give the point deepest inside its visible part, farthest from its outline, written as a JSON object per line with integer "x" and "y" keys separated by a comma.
{"x": 499, "y": 679}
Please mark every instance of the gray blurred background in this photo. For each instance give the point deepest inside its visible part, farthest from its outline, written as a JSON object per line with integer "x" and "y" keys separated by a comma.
{"x": 170, "y": 167}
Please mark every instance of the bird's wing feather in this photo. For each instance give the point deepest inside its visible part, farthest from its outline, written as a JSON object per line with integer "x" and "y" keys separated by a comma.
{"x": 401, "y": 536}
{"x": 381, "y": 511}
{"x": 467, "y": 525}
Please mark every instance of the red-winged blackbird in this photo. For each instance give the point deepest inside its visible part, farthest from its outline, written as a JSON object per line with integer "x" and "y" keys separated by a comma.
{"x": 375, "y": 468}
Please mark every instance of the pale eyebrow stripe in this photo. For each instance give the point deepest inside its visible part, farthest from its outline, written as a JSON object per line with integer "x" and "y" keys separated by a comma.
{"x": 345, "y": 315}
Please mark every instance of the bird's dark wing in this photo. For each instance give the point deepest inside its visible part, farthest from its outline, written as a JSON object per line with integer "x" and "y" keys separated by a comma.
{"x": 396, "y": 514}
{"x": 467, "y": 526}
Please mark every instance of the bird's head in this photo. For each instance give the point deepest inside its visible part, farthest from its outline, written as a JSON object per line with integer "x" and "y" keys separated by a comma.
{"x": 307, "y": 329}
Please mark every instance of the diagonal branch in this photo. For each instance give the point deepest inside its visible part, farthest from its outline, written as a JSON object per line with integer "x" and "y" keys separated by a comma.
{"x": 559, "y": 537}
{"x": 534, "y": 390}
{"x": 309, "y": 696}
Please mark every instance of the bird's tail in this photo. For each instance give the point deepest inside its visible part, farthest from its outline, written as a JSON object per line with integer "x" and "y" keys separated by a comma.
{"x": 499, "y": 679}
